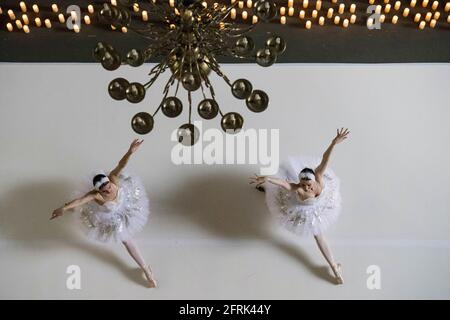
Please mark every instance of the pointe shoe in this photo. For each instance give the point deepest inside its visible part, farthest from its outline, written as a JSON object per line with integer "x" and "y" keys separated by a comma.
{"x": 338, "y": 273}
{"x": 149, "y": 276}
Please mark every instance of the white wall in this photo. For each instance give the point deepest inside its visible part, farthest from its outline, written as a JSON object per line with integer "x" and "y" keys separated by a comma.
{"x": 57, "y": 123}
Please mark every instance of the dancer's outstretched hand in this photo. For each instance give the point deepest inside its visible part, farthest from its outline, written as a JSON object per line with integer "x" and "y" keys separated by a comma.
{"x": 135, "y": 145}
{"x": 258, "y": 180}
{"x": 57, "y": 213}
{"x": 341, "y": 135}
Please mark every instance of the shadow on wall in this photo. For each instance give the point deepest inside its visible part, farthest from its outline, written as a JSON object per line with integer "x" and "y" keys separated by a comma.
{"x": 24, "y": 218}
{"x": 223, "y": 203}
{"x": 226, "y": 205}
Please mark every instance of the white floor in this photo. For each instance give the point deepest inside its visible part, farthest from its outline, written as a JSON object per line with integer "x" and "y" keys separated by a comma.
{"x": 210, "y": 235}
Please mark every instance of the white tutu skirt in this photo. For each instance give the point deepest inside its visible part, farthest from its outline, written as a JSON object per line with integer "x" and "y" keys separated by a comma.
{"x": 305, "y": 218}
{"x": 121, "y": 219}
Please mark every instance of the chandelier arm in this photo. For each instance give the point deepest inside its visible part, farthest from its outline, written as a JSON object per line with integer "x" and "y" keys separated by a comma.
{"x": 166, "y": 92}
{"x": 190, "y": 106}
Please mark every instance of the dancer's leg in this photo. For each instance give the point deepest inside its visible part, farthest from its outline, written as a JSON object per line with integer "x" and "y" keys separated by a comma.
{"x": 323, "y": 246}
{"x": 137, "y": 256}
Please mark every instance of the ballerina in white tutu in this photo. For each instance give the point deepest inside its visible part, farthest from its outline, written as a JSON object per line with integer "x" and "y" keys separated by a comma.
{"x": 304, "y": 196}
{"x": 115, "y": 210}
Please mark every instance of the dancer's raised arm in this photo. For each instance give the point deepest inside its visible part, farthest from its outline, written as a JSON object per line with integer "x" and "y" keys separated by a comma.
{"x": 124, "y": 161}
{"x": 341, "y": 135}
{"x": 74, "y": 203}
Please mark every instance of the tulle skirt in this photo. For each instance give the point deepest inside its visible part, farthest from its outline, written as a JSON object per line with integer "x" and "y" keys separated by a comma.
{"x": 305, "y": 218}
{"x": 121, "y": 219}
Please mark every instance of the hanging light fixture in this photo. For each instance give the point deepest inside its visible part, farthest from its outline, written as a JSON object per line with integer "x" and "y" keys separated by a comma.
{"x": 186, "y": 37}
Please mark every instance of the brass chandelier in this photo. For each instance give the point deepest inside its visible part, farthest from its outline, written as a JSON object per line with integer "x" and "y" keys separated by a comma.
{"x": 186, "y": 37}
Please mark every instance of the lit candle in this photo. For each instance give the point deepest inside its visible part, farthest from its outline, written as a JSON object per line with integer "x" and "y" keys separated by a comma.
{"x": 371, "y": 1}
{"x": 283, "y": 19}
{"x": 378, "y": 9}
{"x": 48, "y": 24}
{"x": 249, "y": 4}
{"x": 11, "y": 14}
{"x": 135, "y": 7}
{"x": 305, "y": 4}
{"x": 1, "y": 11}
{"x": 54, "y": 7}
{"x": 394, "y": 20}
{"x": 290, "y": 3}
{"x": 308, "y": 24}
{"x": 387, "y": 8}
{"x": 341, "y": 8}
{"x": 73, "y": 15}
{"x": 113, "y": 28}
{"x": 337, "y": 19}
{"x": 301, "y": 15}
{"x": 282, "y": 11}
{"x": 397, "y": 5}
{"x": 436, "y": 16}
{"x": 417, "y": 17}
{"x": 447, "y": 7}
{"x": 382, "y": 18}
{"x": 23, "y": 6}
{"x": 314, "y": 14}
{"x": 345, "y": 23}
{"x": 318, "y": 5}
{"x": 428, "y": 16}
{"x": 424, "y": 3}
{"x": 370, "y": 22}
{"x": 233, "y": 13}
{"x": 433, "y": 23}
{"x": 291, "y": 11}
{"x": 244, "y": 15}
{"x": 353, "y": 18}
{"x": 412, "y": 3}
{"x": 448, "y": 18}
{"x": 38, "y": 22}
{"x": 25, "y": 19}
{"x": 386, "y": 1}
{"x": 61, "y": 18}
{"x": 434, "y": 5}
{"x": 422, "y": 25}
{"x": 35, "y": 8}
{"x": 114, "y": 2}
{"x": 9, "y": 26}
{"x": 76, "y": 28}
{"x": 330, "y": 13}
{"x": 172, "y": 3}
{"x": 321, "y": 21}
{"x": 124, "y": 29}
{"x": 90, "y": 8}
{"x": 26, "y": 29}
{"x": 241, "y": 4}
{"x": 144, "y": 15}
{"x": 19, "y": 24}
{"x": 87, "y": 20}
{"x": 406, "y": 12}
{"x": 352, "y": 8}
{"x": 334, "y": 1}
{"x": 254, "y": 19}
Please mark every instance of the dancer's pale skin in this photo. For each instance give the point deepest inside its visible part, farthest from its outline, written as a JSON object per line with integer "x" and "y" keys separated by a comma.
{"x": 307, "y": 189}
{"x": 109, "y": 193}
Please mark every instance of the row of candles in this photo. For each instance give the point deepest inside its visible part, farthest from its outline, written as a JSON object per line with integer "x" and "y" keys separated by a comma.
{"x": 429, "y": 17}
{"x": 23, "y": 22}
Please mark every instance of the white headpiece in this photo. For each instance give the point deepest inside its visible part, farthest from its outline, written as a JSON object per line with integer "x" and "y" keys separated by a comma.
{"x": 307, "y": 176}
{"x": 101, "y": 182}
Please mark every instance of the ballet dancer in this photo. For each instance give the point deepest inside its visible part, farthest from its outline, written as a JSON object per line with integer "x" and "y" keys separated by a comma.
{"x": 115, "y": 209}
{"x": 305, "y": 197}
